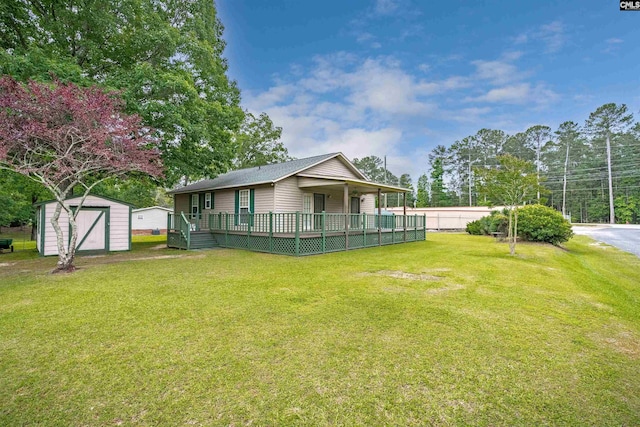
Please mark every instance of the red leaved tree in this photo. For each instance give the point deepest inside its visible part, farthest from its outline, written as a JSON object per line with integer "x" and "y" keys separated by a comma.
{"x": 65, "y": 137}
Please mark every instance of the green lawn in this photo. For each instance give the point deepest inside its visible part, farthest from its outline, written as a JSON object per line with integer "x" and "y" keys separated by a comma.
{"x": 451, "y": 331}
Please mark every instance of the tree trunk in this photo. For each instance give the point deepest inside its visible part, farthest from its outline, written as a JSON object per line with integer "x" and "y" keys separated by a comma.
{"x": 538, "y": 167}
{"x": 564, "y": 182}
{"x": 65, "y": 255}
{"x": 515, "y": 232}
{"x": 512, "y": 244}
{"x": 612, "y": 214}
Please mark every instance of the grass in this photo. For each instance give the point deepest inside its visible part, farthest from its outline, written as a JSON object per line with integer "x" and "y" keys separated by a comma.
{"x": 449, "y": 331}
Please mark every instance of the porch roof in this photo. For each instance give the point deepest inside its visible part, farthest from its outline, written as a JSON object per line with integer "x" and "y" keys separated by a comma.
{"x": 358, "y": 185}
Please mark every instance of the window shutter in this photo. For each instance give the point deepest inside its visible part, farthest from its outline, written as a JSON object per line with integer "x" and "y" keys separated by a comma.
{"x": 201, "y": 204}
{"x": 252, "y": 204}
{"x": 237, "y": 209}
{"x": 213, "y": 197}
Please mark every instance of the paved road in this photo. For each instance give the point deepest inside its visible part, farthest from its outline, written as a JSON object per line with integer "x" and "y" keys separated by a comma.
{"x": 625, "y": 237}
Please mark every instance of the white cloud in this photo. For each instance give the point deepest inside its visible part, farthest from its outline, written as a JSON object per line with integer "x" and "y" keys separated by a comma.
{"x": 521, "y": 94}
{"x": 552, "y": 35}
{"x": 497, "y": 72}
{"x": 385, "y": 7}
{"x": 612, "y": 45}
{"x": 376, "y": 106}
{"x": 501, "y": 71}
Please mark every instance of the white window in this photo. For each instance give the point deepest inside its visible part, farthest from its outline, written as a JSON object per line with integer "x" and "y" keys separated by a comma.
{"x": 207, "y": 201}
{"x": 140, "y": 216}
{"x": 243, "y": 206}
{"x": 195, "y": 205}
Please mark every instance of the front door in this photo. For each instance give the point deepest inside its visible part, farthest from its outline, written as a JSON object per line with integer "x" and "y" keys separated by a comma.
{"x": 92, "y": 226}
{"x": 307, "y": 211}
{"x": 318, "y": 208}
{"x": 355, "y": 209}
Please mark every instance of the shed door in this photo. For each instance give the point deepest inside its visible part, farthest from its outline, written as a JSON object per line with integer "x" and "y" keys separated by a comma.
{"x": 92, "y": 229}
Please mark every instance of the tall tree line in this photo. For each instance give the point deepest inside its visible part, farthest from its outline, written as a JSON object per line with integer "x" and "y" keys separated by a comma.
{"x": 165, "y": 59}
{"x": 591, "y": 171}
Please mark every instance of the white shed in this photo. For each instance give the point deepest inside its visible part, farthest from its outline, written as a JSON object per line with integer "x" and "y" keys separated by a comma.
{"x": 104, "y": 225}
{"x": 145, "y": 220}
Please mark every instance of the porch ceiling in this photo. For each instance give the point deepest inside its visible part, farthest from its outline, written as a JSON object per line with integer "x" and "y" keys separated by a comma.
{"x": 336, "y": 182}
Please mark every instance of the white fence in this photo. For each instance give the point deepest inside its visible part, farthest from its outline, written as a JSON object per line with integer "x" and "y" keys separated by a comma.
{"x": 453, "y": 218}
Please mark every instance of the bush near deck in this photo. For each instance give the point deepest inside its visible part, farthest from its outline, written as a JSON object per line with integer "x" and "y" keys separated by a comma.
{"x": 536, "y": 223}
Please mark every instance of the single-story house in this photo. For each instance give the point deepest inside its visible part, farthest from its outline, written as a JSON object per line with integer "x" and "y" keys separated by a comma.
{"x": 104, "y": 225}
{"x": 313, "y": 205}
{"x": 147, "y": 220}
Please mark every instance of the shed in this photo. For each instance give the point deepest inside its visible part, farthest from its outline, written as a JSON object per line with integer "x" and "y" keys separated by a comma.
{"x": 104, "y": 225}
{"x": 145, "y": 220}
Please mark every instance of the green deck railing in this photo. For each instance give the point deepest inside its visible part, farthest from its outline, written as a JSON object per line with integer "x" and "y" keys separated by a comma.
{"x": 297, "y": 233}
{"x": 309, "y": 223}
{"x": 179, "y": 231}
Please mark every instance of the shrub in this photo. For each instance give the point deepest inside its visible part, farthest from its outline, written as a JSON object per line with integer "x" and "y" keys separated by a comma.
{"x": 475, "y": 227}
{"x": 537, "y": 223}
{"x": 495, "y": 222}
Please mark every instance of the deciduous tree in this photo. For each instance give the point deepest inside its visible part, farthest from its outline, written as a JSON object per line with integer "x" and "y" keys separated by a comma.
{"x": 607, "y": 121}
{"x": 258, "y": 143}
{"x": 511, "y": 183}
{"x": 64, "y": 137}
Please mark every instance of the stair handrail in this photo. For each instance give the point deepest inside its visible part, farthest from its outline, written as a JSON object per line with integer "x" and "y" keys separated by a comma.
{"x": 186, "y": 225}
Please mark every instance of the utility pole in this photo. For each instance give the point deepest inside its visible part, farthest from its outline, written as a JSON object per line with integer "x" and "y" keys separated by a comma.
{"x": 469, "y": 174}
{"x": 612, "y": 214}
{"x": 564, "y": 182}
{"x": 385, "y": 181}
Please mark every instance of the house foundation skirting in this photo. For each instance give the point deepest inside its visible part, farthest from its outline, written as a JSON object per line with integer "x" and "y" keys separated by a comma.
{"x": 315, "y": 244}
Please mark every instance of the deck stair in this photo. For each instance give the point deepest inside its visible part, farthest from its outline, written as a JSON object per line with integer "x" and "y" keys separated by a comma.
{"x": 203, "y": 240}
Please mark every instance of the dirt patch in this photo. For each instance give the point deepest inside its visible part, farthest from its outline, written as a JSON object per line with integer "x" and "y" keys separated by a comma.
{"x": 403, "y": 275}
{"x": 7, "y": 264}
{"x": 154, "y": 257}
{"x": 158, "y": 247}
{"x": 454, "y": 287}
{"x": 620, "y": 340}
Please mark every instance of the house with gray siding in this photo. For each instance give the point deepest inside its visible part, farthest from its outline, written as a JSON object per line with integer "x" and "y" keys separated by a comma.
{"x": 312, "y": 198}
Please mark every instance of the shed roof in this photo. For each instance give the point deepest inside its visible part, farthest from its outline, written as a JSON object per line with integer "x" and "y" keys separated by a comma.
{"x": 152, "y": 207}
{"x": 263, "y": 174}
{"x": 46, "y": 202}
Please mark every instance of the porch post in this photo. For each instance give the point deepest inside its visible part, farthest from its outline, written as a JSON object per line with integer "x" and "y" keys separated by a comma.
{"x": 324, "y": 231}
{"x": 297, "y": 235}
{"x": 345, "y": 209}
{"x": 379, "y": 217}
{"x": 404, "y": 214}
{"x": 270, "y": 232}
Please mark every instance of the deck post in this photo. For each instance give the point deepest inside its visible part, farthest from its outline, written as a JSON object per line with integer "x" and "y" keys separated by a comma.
{"x": 364, "y": 230}
{"x": 345, "y": 209}
{"x": 393, "y": 228}
{"x": 324, "y": 231}
{"x": 226, "y": 229}
{"x": 270, "y": 232}
{"x": 379, "y": 217}
{"x": 404, "y": 215}
{"x": 424, "y": 225}
{"x": 415, "y": 227}
{"x": 297, "y": 238}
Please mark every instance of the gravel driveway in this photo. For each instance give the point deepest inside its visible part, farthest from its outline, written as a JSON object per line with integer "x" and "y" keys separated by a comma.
{"x": 625, "y": 237}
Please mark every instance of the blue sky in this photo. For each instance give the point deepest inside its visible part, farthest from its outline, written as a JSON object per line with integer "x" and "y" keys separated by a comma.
{"x": 398, "y": 77}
